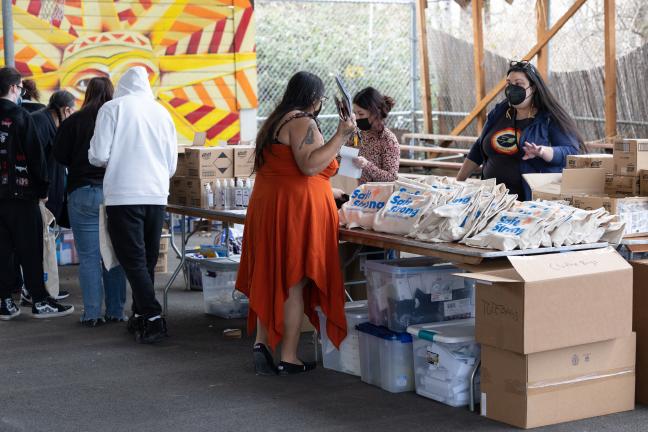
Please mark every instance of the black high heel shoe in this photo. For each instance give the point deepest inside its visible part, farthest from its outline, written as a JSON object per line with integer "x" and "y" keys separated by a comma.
{"x": 263, "y": 361}
{"x": 286, "y": 368}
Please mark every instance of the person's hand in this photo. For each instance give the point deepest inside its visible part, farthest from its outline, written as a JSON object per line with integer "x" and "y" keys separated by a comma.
{"x": 337, "y": 193}
{"x": 532, "y": 151}
{"x": 347, "y": 127}
{"x": 360, "y": 162}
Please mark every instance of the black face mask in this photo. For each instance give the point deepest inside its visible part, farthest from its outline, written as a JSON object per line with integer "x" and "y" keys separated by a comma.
{"x": 363, "y": 124}
{"x": 515, "y": 94}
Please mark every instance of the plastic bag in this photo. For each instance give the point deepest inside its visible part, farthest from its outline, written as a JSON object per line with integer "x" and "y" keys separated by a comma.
{"x": 105, "y": 244}
{"x": 509, "y": 231}
{"x": 50, "y": 266}
{"x": 365, "y": 201}
{"x": 402, "y": 212}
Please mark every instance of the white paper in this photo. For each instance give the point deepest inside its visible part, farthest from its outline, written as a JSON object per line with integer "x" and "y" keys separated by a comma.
{"x": 347, "y": 168}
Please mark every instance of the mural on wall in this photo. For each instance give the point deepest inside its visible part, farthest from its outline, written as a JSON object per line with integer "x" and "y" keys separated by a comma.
{"x": 200, "y": 54}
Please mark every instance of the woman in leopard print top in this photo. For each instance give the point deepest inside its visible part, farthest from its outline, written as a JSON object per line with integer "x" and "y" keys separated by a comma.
{"x": 379, "y": 155}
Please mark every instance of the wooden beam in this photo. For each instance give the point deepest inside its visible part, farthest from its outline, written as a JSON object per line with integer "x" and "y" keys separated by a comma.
{"x": 478, "y": 58}
{"x": 424, "y": 65}
{"x": 500, "y": 85}
{"x": 429, "y": 164}
{"x": 434, "y": 149}
{"x": 542, "y": 15}
{"x": 610, "y": 69}
{"x": 439, "y": 137}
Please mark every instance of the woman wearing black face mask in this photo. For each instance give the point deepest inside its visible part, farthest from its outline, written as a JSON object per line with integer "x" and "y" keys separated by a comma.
{"x": 379, "y": 155}
{"x": 529, "y": 132}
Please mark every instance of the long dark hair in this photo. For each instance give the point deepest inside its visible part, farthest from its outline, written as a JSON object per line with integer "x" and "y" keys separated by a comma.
{"x": 373, "y": 101}
{"x": 31, "y": 91}
{"x": 60, "y": 99}
{"x": 100, "y": 90}
{"x": 544, "y": 100}
{"x": 303, "y": 90}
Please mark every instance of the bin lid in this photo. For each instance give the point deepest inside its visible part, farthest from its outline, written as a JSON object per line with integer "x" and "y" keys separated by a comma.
{"x": 410, "y": 265}
{"x": 445, "y": 332}
{"x": 384, "y": 333}
{"x": 356, "y": 309}
{"x": 221, "y": 264}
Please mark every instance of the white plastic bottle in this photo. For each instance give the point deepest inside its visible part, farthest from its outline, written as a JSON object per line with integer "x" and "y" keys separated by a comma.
{"x": 232, "y": 194}
{"x": 246, "y": 192}
{"x": 224, "y": 196}
{"x": 239, "y": 194}
{"x": 208, "y": 195}
{"x": 217, "y": 201}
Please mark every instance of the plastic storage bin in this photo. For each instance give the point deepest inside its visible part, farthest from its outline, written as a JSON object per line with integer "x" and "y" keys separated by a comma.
{"x": 219, "y": 293}
{"x": 412, "y": 291}
{"x": 347, "y": 359}
{"x": 386, "y": 358}
{"x": 445, "y": 355}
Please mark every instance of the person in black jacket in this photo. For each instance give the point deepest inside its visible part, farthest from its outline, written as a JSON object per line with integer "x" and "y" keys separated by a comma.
{"x": 85, "y": 195}
{"x": 23, "y": 182}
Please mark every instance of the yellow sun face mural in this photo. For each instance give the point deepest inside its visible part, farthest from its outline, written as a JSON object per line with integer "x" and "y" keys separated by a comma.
{"x": 200, "y": 54}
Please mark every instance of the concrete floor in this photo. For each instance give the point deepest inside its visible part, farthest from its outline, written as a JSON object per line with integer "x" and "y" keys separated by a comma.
{"x": 59, "y": 376}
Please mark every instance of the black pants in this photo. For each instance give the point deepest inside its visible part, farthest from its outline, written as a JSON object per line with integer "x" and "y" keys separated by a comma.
{"x": 21, "y": 241}
{"x": 135, "y": 234}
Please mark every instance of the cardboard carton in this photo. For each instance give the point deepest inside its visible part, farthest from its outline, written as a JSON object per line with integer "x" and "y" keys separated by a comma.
{"x": 244, "y": 157}
{"x": 633, "y": 211}
{"x": 162, "y": 265}
{"x": 182, "y": 169}
{"x": 164, "y": 242}
{"x": 565, "y": 185}
{"x": 643, "y": 183}
{"x": 640, "y": 326}
{"x": 177, "y": 192}
{"x": 603, "y": 160}
{"x": 552, "y": 301}
{"x": 616, "y": 185}
{"x": 557, "y": 386}
{"x": 210, "y": 162}
{"x": 630, "y": 156}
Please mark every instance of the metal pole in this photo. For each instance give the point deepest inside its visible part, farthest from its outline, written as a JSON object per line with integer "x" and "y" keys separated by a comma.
{"x": 414, "y": 67}
{"x": 7, "y": 33}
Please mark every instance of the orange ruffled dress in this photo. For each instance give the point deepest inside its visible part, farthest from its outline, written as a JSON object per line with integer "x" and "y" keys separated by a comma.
{"x": 291, "y": 232}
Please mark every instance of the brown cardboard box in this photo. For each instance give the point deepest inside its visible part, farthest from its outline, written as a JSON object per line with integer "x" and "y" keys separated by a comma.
{"x": 616, "y": 185}
{"x": 557, "y": 386}
{"x": 162, "y": 265}
{"x": 643, "y": 183}
{"x": 244, "y": 157}
{"x": 565, "y": 185}
{"x": 546, "y": 302}
{"x": 603, "y": 160}
{"x": 210, "y": 162}
{"x": 182, "y": 170}
{"x": 164, "y": 242}
{"x": 177, "y": 192}
{"x": 640, "y": 326}
{"x": 630, "y": 156}
{"x": 194, "y": 187}
{"x": 632, "y": 210}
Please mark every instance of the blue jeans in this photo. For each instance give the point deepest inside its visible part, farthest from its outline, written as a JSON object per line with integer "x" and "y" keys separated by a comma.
{"x": 96, "y": 282}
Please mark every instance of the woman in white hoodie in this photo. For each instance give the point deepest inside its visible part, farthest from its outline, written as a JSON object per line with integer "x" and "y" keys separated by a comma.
{"x": 135, "y": 140}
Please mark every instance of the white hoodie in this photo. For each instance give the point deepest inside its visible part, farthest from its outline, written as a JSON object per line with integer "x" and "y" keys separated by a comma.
{"x": 135, "y": 139}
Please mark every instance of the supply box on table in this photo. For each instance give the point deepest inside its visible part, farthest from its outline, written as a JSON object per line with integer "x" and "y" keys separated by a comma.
{"x": 386, "y": 358}
{"x": 630, "y": 156}
{"x": 219, "y": 288}
{"x": 640, "y": 326}
{"x": 347, "y": 358}
{"x": 563, "y": 186}
{"x": 593, "y": 160}
{"x": 412, "y": 291}
{"x": 445, "y": 356}
{"x": 244, "y": 157}
{"x": 552, "y": 301}
{"x": 560, "y": 385}
{"x": 210, "y": 162}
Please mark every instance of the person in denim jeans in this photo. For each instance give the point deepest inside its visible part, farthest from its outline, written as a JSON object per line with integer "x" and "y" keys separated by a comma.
{"x": 85, "y": 195}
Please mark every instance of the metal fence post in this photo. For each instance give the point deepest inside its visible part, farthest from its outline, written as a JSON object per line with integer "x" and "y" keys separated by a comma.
{"x": 7, "y": 33}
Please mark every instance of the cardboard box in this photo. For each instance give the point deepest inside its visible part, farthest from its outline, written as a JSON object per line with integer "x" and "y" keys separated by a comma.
{"x": 210, "y": 162}
{"x": 182, "y": 170}
{"x": 162, "y": 265}
{"x": 244, "y": 157}
{"x": 194, "y": 187}
{"x": 643, "y": 183}
{"x": 558, "y": 386}
{"x": 603, "y": 160}
{"x": 630, "y": 157}
{"x": 616, "y": 185}
{"x": 633, "y": 211}
{"x": 552, "y": 301}
{"x": 565, "y": 185}
{"x": 640, "y": 326}
{"x": 164, "y": 242}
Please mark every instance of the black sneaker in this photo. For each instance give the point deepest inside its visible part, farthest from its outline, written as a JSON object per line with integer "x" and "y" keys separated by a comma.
{"x": 8, "y": 309}
{"x": 152, "y": 332}
{"x": 135, "y": 324}
{"x": 50, "y": 308}
{"x": 26, "y": 300}
{"x": 93, "y": 322}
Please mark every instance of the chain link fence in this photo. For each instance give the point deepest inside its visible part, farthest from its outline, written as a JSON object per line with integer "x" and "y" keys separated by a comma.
{"x": 366, "y": 43}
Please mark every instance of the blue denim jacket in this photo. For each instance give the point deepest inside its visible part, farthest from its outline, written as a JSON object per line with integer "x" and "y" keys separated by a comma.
{"x": 542, "y": 131}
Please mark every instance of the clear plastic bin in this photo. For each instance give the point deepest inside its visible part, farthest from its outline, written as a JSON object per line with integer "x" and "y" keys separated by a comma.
{"x": 219, "y": 293}
{"x": 347, "y": 359}
{"x": 413, "y": 291}
{"x": 386, "y": 358}
{"x": 445, "y": 355}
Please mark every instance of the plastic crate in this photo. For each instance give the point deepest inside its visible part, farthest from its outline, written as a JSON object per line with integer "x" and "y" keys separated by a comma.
{"x": 347, "y": 358}
{"x": 219, "y": 293}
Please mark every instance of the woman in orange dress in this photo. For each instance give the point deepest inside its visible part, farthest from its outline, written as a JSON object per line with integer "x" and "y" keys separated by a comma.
{"x": 290, "y": 262}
